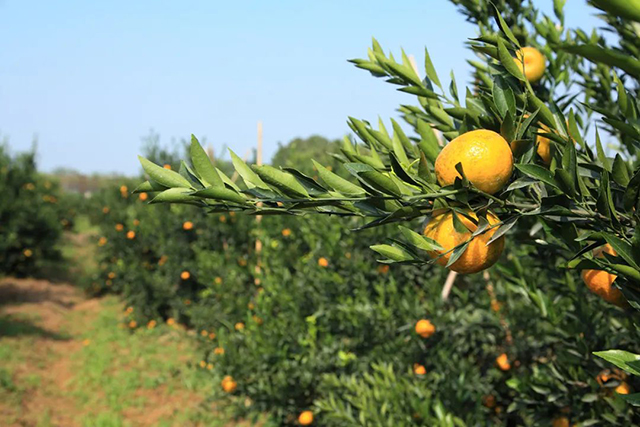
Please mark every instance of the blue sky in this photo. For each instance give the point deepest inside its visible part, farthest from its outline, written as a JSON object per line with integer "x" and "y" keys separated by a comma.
{"x": 89, "y": 79}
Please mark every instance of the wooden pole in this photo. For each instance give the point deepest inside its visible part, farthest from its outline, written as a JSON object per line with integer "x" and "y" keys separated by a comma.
{"x": 448, "y": 284}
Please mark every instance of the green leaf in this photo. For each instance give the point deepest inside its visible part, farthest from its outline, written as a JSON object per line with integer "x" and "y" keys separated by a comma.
{"x": 163, "y": 176}
{"x": 456, "y": 254}
{"x": 558, "y": 8}
{"x": 393, "y": 252}
{"x": 429, "y": 142}
{"x": 251, "y": 179}
{"x": 631, "y": 196}
{"x": 221, "y": 193}
{"x": 632, "y": 399}
{"x": 621, "y": 359}
{"x": 503, "y": 96}
{"x": 599, "y": 55}
{"x": 546, "y": 116}
{"x": 203, "y": 165}
{"x": 508, "y": 62}
{"x": 629, "y": 9}
{"x": 539, "y": 173}
{"x": 574, "y": 131}
{"x": 176, "y": 195}
{"x": 430, "y": 69}
{"x": 623, "y": 249}
{"x": 381, "y": 182}
{"x": 338, "y": 183}
{"x": 423, "y": 170}
{"x": 619, "y": 172}
{"x": 280, "y": 179}
{"x": 504, "y": 27}
{"x": 600, "y": 151}
{"x": 149, "y": 187}
{"x": 419, "y": 241}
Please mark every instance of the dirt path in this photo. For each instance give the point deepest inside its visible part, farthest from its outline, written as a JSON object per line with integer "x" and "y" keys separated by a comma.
{"x": 65, "y": 362}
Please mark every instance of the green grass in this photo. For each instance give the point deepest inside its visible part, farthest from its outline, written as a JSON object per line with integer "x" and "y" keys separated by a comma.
{"x": 123, "y": 371}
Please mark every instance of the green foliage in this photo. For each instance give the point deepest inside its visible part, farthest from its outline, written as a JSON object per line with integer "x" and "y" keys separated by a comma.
{"x": 296, "y": 154}
{"x": 31, "y": 216}
{"x": 308, "y": 349}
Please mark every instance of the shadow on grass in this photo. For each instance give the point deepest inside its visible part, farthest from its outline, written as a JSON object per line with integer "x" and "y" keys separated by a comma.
{"x": 11, "y": 326}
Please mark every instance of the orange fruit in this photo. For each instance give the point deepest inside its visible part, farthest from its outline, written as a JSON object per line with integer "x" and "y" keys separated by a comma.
{"x": 495, "y": 306}
{"x": 143, "y": 196}
{"x": 218, "y": 280}
{"x": 218, "y": 350}
{"x": 167, "y": 166}
{"x": 502, "y": 362}
{"x": 534, "y": 63}
{"x": 560, "y": 422}
{"x": 600, "y": 282}
{"x": 486, "y": 158}
{"x": 489, "y": 401}
{"x": 27, "y": 253}
{"x": 228, "y": 384}
{"x": 188, "y": 225}
{"x": 119, "y": 227}
{"x": 102, "y": 241}
{"x": 151, "y": 324}
{"x": 239, "y": 326}
{"x": 171, "y": 321}
{"x": 136, "y": 222}
{"x": 286, "y": 232}
{"x": 123, "y": 189}
{"x": 419, "y": 369}
{"x": 212, "y": 335}
{"x": 105, "y": 210}
{"x": 478, "y": 256}
{"x": 323, "y": 262}
{"x": 203, "y": 364}
{"x": 623, "y": 388}
{"x": 305, "y": 418}
{"x": 131, "y": 235}
{"x": 185, "y": 275}
{"x": 133, "y": 324}
{"x": 383, "y": 269}
{"x": 425, "y": 328}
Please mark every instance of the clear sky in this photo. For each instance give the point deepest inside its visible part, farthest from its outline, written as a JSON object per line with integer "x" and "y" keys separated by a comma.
{"x": 90, "y": 78}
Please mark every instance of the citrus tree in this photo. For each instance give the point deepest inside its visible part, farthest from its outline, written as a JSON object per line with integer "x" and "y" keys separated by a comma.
{"x": 513, "y": 167}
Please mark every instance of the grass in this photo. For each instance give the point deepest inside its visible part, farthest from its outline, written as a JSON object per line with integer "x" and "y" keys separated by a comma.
{"x": 118, "y": 377}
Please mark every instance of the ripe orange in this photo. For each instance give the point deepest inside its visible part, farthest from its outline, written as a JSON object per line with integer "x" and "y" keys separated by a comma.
{"x": 123, "y": 189}
{"x": 212, "y": 335}
{"x": 425, "y": 328}
{"x": 534, "y": 63}
{"x": 478, "y": 256}
{"x": 133, "y": 324}
{"x": 495, "y": 306}
{"x": 323, "y": 262}
{"x": 623, "y": 388}
{"x": 151, "y": 324}
{"x": 210, "y": 366}
{"x": 185, "y": 275}
{"x": 600, "y": 282}
{"x": 119, "y": 227}
{"x": 502, "y": 362}
{"x": 286, "y": 232}
{"x": 171, "y": 321}
{"x": 131, "y": 235}
{"x": 203, "y": 364}
{"x": 383, "y": 269}
{"x": 218, "y": 280}
{"x": 188, "y": 225}
{"x": 239, "y": 326}
{"x": 143, "y": 196}
{"x": 305, "y": 418}
{"x": 167, "y": 166}
{"x": 105, "y": 210}
{"x": 27, "y": 253}
{"x": 486, "y": 158}
{"x": 419, "y": 369}
{"x": 102, "y": 241}
{"x": 489, "y": 401}
{"x": 136, "y": 222}
{"x": 204, "y": 333}
{"x": 560, "y": 422}
{"x": 223, "y": 218}
{"x": 218, "y": 351}
{"x": 228, "y": 384}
